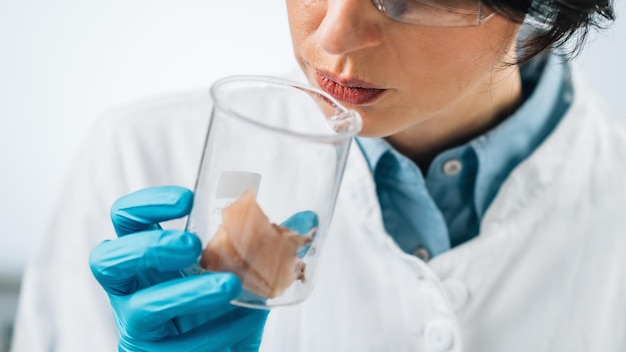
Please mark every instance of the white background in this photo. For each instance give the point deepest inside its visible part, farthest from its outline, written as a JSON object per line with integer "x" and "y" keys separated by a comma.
{"x": 63, "y": 62}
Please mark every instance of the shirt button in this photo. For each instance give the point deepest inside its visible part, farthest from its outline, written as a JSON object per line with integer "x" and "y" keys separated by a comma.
{"x": 452, "y": 167}
{"x": 422, "y": 253}
{"x": 457, "y": 293}
{"x": 568, "y": 97}
{"x": 439, "y": 335}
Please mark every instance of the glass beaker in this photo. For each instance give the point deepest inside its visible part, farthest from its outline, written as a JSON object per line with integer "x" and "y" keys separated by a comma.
{"x": 272, "y": 164}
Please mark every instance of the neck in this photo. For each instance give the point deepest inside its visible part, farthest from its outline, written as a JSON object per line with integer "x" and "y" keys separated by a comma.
{"x": 484, "y": 107}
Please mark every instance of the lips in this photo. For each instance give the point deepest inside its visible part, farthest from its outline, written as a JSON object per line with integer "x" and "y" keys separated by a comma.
{"x": 350, "y": 91}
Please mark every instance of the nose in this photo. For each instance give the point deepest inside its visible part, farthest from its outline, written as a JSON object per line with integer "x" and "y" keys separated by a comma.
{"x": 348, "y": 26}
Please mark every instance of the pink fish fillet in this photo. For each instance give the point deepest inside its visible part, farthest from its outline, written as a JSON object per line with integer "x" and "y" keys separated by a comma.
{"x": 262, "y": 254}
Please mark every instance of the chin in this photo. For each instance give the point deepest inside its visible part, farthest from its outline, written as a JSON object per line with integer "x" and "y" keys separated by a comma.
{"x": 373, "y": 130}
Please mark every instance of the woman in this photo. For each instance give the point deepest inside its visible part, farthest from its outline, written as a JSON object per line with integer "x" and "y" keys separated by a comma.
{"x": 480, "y": 211}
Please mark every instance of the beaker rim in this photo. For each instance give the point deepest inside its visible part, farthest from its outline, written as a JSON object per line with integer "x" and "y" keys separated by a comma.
{"x": 341, "y": 136}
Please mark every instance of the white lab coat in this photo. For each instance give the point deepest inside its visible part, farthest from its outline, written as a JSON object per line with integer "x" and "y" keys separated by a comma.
{"x": 546, "y": 273}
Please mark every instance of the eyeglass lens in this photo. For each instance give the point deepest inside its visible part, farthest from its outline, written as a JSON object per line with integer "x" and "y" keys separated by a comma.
{"x": 438, "y": 13}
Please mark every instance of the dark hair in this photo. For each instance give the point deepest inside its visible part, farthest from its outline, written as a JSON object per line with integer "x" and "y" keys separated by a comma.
{"x": 554, "y": 23}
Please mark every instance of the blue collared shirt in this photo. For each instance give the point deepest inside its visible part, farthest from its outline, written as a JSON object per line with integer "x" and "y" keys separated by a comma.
{"x": 444, "y": 208}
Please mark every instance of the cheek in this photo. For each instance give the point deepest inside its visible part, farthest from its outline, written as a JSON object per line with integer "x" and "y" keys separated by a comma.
{"x": 441, "y": 69}
{"x": 446, "y": 64}
{"x": 430, "y": 72}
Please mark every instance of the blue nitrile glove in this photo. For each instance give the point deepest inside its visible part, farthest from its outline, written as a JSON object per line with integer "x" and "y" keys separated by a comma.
{"x": 155, "y": 308}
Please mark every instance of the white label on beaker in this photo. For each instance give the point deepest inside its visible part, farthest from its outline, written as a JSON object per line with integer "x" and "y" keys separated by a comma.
{"x": 231, "y": 185}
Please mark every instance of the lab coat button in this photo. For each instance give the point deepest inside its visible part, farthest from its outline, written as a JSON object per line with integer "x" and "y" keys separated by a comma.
{"x": 452, "y": 167}
{"x": 457, "y": 293}
{"x": 439, "y": 336}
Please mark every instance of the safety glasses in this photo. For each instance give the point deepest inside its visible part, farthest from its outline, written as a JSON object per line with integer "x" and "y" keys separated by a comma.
{"x": 436, "y": 13}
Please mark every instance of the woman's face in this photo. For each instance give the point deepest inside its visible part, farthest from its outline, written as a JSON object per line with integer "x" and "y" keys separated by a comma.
{"x": 396, "y": 75}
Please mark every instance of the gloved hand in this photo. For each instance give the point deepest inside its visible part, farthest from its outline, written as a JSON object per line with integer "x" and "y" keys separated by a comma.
{"x": 155, "y": 308}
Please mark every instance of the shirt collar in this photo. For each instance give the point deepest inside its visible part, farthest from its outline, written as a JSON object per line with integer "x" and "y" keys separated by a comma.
{"x": 374, "y": 149}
